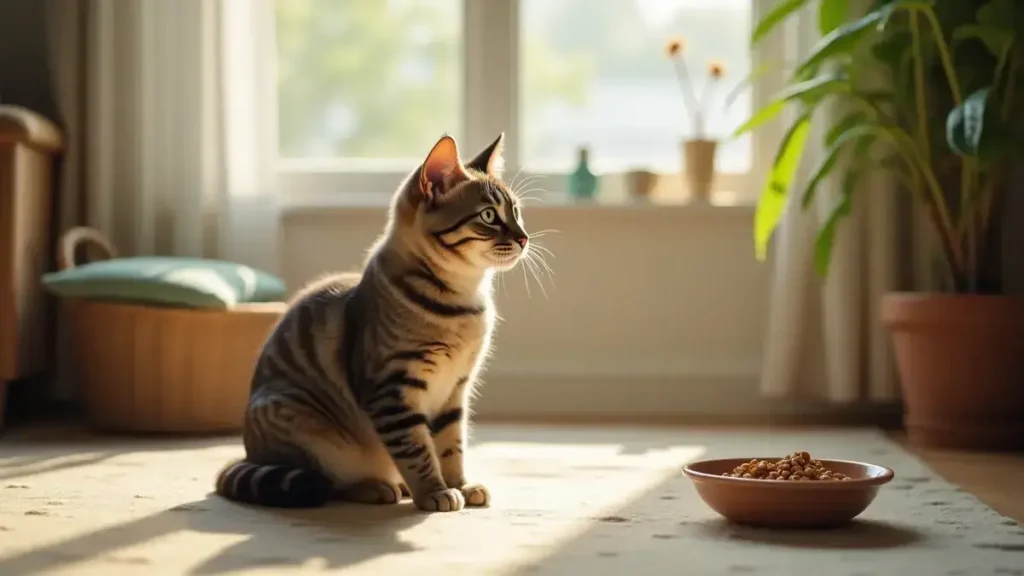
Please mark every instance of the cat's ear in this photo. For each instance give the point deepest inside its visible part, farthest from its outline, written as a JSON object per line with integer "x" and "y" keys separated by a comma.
{"x": 442, "y": 169}
{"x": 492, "y": 159}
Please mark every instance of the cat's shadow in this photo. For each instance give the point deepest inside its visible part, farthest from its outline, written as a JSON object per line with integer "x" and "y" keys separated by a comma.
{"x": 331, "y": 537}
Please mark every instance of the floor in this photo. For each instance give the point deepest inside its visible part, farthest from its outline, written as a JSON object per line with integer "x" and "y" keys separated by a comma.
{"x": 594, "y": 500}
{"x": 995, "y": 479}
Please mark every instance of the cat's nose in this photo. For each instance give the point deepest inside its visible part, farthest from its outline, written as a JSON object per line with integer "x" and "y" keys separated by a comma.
{"x": 522, "y": 240}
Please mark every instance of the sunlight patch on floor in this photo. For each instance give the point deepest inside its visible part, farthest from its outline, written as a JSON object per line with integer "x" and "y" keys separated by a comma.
{"x": 544, "y": 496}
{"x": 22, "y": 467}
{"x": 133, "y": 509}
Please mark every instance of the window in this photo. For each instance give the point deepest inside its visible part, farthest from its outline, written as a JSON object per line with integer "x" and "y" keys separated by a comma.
{"x": 366, "y": 86}
{"x": 367, "y": 81}
{"x": 593, "y": 73}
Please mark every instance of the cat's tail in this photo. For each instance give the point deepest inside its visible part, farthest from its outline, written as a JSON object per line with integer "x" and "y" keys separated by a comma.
{"x": 276, "y": 486}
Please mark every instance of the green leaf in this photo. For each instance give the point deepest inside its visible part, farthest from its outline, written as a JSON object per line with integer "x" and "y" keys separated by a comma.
{"x": 893, "y": 48}
{"x": 997, "y": 40}
{"x": 864, "y": 145}
{"x": 893, "y": 162}
{"x": 826, "y": 238}
{"x": 777, "y": 15}
{"x": 832, "y": 14}
{"x": 825, "y": 241}
{"x": 1000, "y": 14}
{"x": 762, "y": 69}
{"x": 997, "y": 143}
{"x": 772, "y": 202}
{"x": 876, "y": 97}
{"x": 853, "y": 132}
{"x": 840, "y": 42}
{"x": 762, "y": 116}
{"x": 845, "y": 39}
{"x": 845, "y": 123}
{"x": 965, "y": 124}
{"x": 809, "y": 92}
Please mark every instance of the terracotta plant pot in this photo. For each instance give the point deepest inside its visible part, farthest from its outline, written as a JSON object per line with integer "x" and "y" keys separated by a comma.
{"x": 961, "y": 366}
{"x": 699, "y": 168}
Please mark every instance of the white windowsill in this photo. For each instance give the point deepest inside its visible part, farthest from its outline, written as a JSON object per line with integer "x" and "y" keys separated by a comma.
{"x": 304, "y": 189}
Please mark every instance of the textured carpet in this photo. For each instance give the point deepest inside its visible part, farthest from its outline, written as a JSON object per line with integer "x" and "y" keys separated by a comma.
{"x": 566, "y": 501}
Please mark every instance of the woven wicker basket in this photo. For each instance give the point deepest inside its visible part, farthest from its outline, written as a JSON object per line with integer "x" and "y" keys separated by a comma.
{"x": 152, "y": 369}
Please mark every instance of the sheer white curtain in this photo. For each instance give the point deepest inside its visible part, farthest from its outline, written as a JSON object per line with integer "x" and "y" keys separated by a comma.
{"x": 825, "y": 339}
{"x": 169, "y": 107}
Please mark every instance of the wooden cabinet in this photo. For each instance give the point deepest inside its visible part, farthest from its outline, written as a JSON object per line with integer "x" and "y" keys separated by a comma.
{"x": 28, "y": 145}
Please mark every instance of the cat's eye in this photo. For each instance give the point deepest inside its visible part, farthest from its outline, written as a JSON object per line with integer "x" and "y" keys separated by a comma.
{"x": 488, "y": 215}
{"x": 515, "y": 211}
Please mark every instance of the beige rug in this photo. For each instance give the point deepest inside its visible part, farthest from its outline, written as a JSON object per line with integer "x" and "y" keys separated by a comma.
{"x": 567, "y": 501}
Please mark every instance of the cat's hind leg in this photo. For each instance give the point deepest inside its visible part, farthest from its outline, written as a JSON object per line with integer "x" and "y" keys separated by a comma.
{"x": 360, "y": 470}
{"x": 360, "y": 473}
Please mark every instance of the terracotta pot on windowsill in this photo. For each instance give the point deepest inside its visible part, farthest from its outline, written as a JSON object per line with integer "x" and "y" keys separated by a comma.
{"x": 699, "y": 168}
{"x": 961, "y": 367}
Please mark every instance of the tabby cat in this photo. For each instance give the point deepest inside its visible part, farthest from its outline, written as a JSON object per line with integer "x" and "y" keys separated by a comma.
{"x": 361, "y": 391}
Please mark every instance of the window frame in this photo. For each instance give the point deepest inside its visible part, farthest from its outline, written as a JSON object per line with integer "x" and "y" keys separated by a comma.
{"x": 490, "y": 32}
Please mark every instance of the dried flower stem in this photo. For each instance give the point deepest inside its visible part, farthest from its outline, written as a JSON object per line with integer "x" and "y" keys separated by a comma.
{"x": 692, "y": 103}
{"x": 704, "y": 95}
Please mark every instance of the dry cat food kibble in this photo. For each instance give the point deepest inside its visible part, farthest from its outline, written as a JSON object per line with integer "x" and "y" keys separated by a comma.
{"x": 796, "y": 466}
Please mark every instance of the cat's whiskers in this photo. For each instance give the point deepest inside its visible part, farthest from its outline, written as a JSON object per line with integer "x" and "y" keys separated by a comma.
{"x": 526, "y": 187}
{"x": 501, "y": 285}
{"x": 528, "y": 179}
{"x": 542, "y": 260}
{"x": 521, "y": 189}
{"x": 523, "y": 193}
{"x": 542, "y": 233}
{"x": 543, "y": 248}
{"x": 526, "y": 199}
{"x": 532, "y": 264}
{"x": 526, "y": 280}
{"x": 512, "y": 182}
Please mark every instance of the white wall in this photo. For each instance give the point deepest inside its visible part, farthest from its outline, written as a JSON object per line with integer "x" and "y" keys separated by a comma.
{"x": 652, "y": 309}
{"x": 655, "y": 312}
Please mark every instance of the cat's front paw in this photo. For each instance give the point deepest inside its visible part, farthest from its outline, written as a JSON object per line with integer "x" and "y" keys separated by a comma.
{"x": 447, "y": 500}
{"x": 476, "y": 495}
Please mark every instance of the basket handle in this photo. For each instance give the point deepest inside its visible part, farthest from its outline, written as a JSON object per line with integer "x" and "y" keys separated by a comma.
{"x": 71, "y": 240}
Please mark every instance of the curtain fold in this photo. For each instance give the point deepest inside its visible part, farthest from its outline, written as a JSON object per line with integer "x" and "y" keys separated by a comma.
{"x": 169, "y": 107}
{"x": 825, "y": 340}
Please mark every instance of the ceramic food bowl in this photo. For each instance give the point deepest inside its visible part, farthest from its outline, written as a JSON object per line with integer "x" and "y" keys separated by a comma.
{"x": 786, "y": 504}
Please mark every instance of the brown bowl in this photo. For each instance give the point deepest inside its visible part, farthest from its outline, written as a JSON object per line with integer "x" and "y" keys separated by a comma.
{"x": 816, "y": 503}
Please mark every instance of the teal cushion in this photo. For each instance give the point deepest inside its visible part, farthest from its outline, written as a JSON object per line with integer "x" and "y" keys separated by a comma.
{"x": 167, "y": 281}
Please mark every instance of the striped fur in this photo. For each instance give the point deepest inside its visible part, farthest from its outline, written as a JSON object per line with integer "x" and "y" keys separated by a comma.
{"x": 272, "y": 485}
{"x": 362, "y": 389}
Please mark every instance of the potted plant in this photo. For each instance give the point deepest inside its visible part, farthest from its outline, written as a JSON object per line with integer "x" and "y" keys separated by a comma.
{"x": 944, "y": 127}
{"x": 698, "y": 150}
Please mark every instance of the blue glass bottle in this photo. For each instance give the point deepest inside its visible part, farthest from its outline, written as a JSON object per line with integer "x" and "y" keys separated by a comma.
{"x": 582, "y": 182}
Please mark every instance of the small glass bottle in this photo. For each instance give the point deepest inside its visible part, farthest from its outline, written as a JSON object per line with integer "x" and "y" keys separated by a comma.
{"x": 582, "y": 182}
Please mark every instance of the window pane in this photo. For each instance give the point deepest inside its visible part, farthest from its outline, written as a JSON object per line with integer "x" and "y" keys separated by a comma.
{"x": 595, "y": 73}
{"x": 367, "y": 79}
